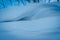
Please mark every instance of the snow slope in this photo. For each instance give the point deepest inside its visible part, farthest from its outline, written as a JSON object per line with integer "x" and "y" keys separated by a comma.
{"x": 43, "y": 23}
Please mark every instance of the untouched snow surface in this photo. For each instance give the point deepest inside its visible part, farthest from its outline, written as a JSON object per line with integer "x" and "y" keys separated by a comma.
{"x": 43, "y": 23}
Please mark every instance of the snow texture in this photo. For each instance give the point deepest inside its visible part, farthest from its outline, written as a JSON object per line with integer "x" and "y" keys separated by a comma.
{"x": 34, "y": 21}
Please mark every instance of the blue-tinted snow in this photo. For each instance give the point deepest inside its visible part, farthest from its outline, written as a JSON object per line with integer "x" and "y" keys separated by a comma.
{"x": 16, "y": 12}
{"x": 43, "y": 23}
{"x": 44, "y": 29}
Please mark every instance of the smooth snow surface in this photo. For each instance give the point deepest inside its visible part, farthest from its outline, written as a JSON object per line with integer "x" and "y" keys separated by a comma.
{"x": 31, "y": 22}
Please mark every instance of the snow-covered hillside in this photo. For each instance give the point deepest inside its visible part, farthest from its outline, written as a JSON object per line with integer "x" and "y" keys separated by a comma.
{"x": 34, "y": 21}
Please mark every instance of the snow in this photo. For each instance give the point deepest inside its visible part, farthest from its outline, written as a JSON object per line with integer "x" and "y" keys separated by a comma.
{"x": 42, "y": 23}
{"x": 44, "y": 28}
{"x": 15, "y": 11}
